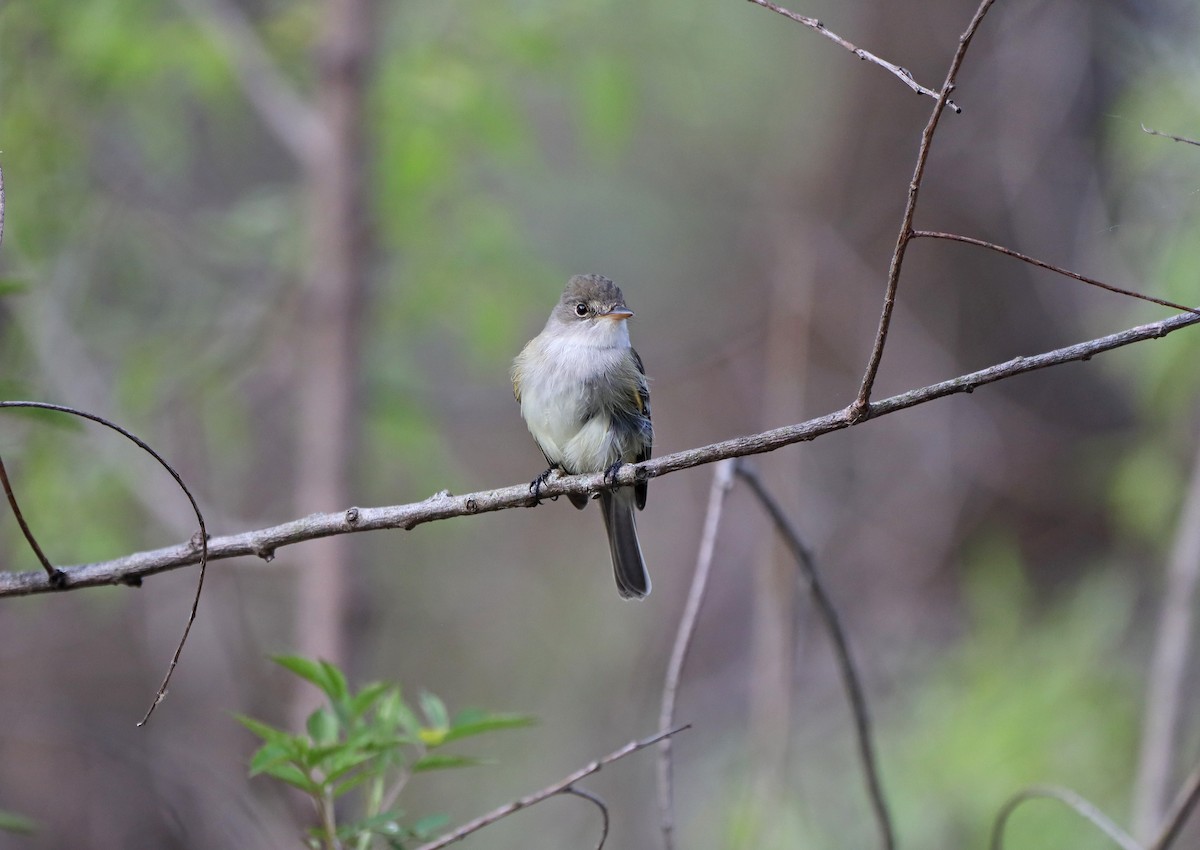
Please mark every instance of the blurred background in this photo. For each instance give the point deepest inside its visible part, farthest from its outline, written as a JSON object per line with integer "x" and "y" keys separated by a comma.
{"x": 295, "y": 246}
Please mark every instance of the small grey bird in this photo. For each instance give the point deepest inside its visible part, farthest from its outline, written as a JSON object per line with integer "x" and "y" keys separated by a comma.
{"x": 584, "y": 396}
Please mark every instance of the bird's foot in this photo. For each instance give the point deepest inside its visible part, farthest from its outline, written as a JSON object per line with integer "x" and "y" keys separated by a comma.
{"x": 536, "y": 485}
{"x": 610, "y": 474}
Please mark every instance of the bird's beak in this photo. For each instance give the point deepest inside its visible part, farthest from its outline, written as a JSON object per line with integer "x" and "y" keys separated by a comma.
{"x": 618, "y": 313}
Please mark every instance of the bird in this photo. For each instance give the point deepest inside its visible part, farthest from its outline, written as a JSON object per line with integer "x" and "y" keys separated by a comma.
{"x": 585, "y": 398}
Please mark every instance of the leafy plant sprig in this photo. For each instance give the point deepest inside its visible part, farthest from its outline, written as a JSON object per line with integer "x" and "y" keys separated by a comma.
{"x": 371, "y": 740}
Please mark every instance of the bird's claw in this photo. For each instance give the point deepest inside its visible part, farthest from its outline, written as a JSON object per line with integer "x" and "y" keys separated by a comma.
{"x": 535, "y": 486}
{"x": 610, "y": 474}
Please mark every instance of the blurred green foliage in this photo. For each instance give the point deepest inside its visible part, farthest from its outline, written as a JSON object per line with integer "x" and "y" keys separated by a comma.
{"x": 155, "y": 237}
{"x": 15, "y": 823}
{"x": 153, "y": 218}
{"x": 1040, "y": 691}
{"x": 1154, "y": 201}
{"x": 139, "y": 176}
{"x": 371, "y": 740}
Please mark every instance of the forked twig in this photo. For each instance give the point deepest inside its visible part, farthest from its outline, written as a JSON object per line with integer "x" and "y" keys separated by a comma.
{"x": 55, "y": 575}
{"x": 841, "y": 647}
{"x": 862, "y": 403}
{"x": 1069, "y": 798}
{"x": 549, "y": 791}
{"x": 721, "y": 483}
{"x": 903, "y": 74}
{"x": 1183, "y": 139}
{"x": 1041, "y": 264}
{"x": 599, "y": 804}
{"x": 65, "y": 578}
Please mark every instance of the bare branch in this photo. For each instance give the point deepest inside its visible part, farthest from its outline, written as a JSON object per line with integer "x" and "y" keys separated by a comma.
{"x": 904, "y": 74}
{"x": 1183, "y": 139}
{"x": 862, "y": 404}
{"x": 600, "y": 804}
{"x": 1041, "y": 264}
{"x": 841, "y": 648}
{"x": 1165, "y": 685}
{"x": 53, "y": 574}
{"x": 263, "y": 542}
{"x": 293, "y": 121}
{"x": 1069, "y": 798}
{"x": 549, "y": 791}
{"x": 721, "y": 483}
{"x": 199, "y": 543}
{"x": 1181, "y": 809}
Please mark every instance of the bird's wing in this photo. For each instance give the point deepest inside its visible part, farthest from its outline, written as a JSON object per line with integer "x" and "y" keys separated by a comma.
{"x": 643, "y": 393}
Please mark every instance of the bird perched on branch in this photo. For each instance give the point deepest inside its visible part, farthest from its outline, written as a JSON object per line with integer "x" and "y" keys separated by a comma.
{"x": 584, "y": 396}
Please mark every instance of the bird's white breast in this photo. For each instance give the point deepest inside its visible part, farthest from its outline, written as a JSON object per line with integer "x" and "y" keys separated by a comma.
{"x": 553, "y": 373}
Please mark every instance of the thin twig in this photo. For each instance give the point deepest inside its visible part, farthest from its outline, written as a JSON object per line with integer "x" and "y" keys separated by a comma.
{"x": 841, "y": 647}
{"x": 904, "y": 74}
{"x": 393, "y": 793}
{"x": 862, "y": 404}
{"x": 600, "y": 804}
{"x": 1069, "y": 798}
{"x": 1183, "y": 139}
{"x": 264, "y": 542}
{"x": 1169, "y": 666}
{"x": 1180, "y": 810}
{"x": 54, "y": 574}
{"x": 1041, "y": 264}
{"x": 329, "y": 820}
{"x": 549, "y": 791}
{"x": 198, "y": 544}
{"x": 721, "y": 483}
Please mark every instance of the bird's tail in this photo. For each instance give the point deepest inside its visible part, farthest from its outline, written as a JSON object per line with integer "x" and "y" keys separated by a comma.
{"x": 633, "y": 582}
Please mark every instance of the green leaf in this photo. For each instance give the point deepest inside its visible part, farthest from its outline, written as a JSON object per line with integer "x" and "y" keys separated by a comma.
{"x": 435, "y": 710}
{"x": 338, "y": 770}
{"x": 294, "y": 776}
{"x": 334, "y": 757}
{"x": 263, "y": 730}
{"x": 349, "y": 784}
{"x": 305, "y": 668}
{"x": 10, "y": 822}
{"x": 336, "y": 760}
{"x": 319, "y": 757}
{"x": 337, "y": 689}
{"x": 382, "y": 742}
{"x": 444, "y": 761}
{"x": 431, "y": 737}
{"x": 270, "y": 755}
{"x": 385, "y": 823}
{"x": 476, "y": 723}
{"x": 428, "y": 826}
{"x": 324, "y": 675}
{"x": 361, "y": 702}
{"x": 394, "y": 711}
{"x": 322, "y": 727}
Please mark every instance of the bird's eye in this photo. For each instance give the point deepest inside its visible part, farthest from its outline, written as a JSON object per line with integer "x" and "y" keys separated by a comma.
{"x": 581, "y": 309}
